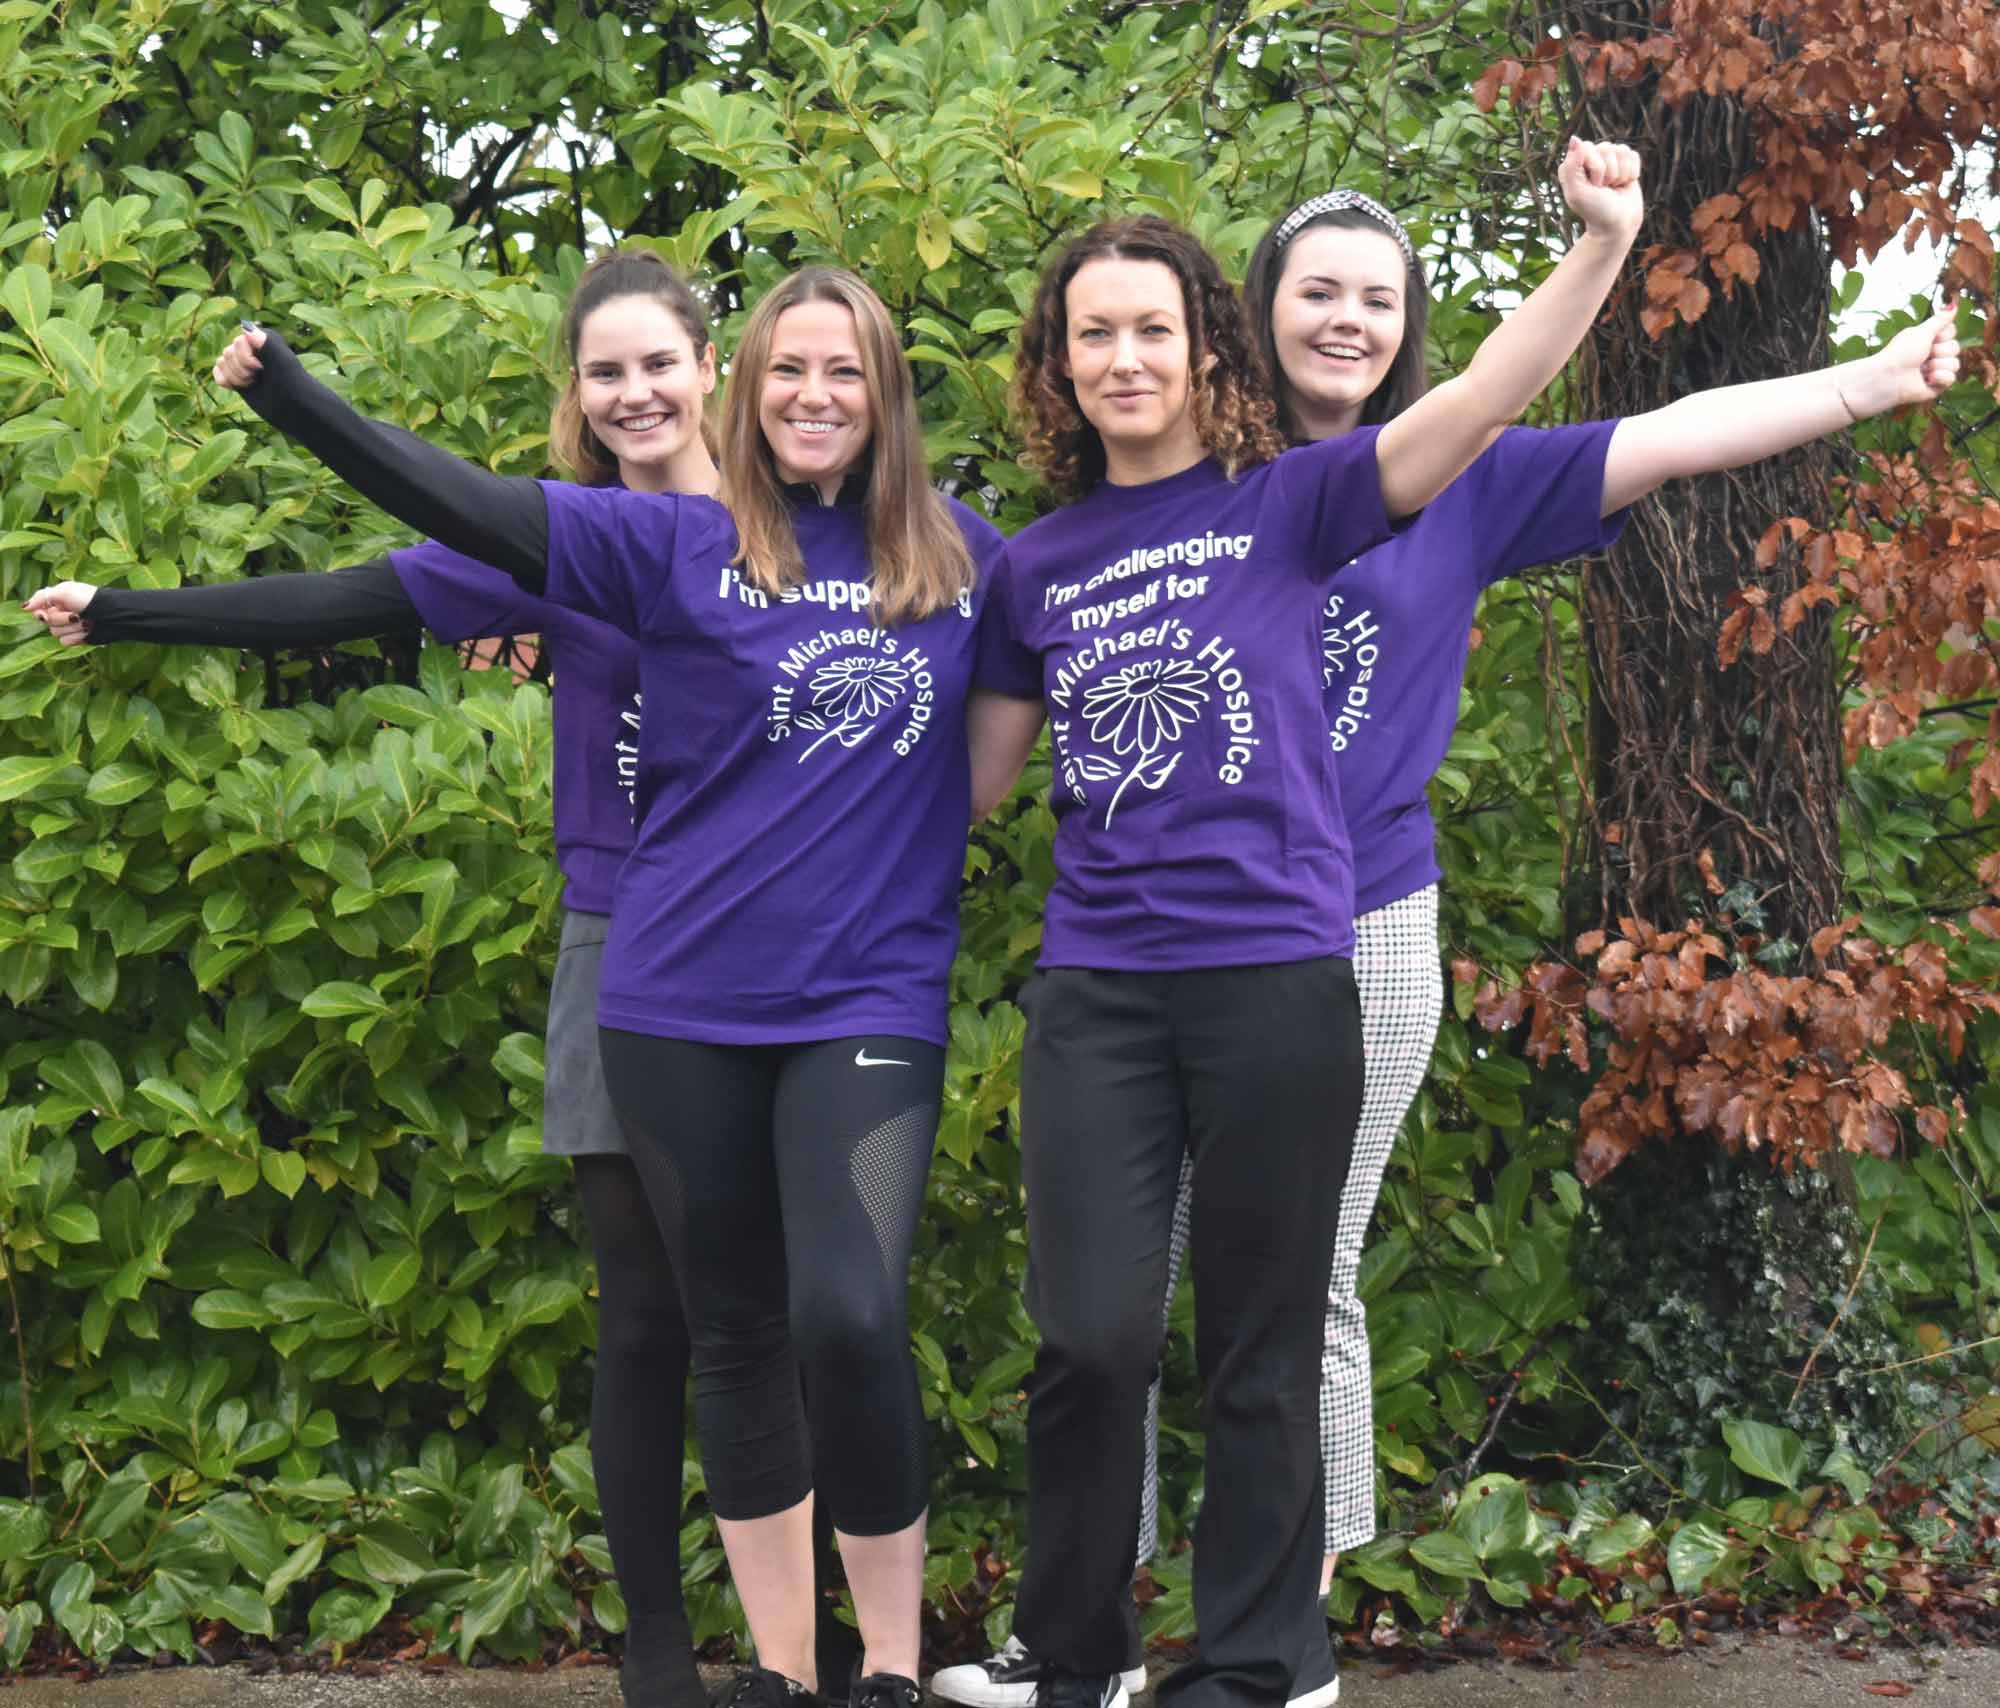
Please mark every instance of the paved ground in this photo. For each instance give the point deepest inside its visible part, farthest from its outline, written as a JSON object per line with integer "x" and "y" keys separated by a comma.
{"x": 1773, "y": 1673}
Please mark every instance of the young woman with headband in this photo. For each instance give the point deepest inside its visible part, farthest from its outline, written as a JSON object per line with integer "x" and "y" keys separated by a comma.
{"x": 1194, "y": 996}
{"x": 641, "y": 365}
{"x": 1338, "y": 303}
{"x": 772, "y": 1004}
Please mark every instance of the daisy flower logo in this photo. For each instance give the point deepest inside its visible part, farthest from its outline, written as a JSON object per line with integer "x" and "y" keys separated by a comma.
{"x": 849, "y": 694}
{"x": 1140, "y": 711}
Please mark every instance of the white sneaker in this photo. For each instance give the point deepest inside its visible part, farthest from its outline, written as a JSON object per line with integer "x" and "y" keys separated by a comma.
{"x": 1322, "y": 1696}
{"x": 1319, "y": 1685}
{"x": 1010, "y": 1679}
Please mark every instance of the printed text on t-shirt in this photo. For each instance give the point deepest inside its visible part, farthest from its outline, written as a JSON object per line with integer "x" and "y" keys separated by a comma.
{"x": 1194, "y": 551}
{"x": 1346, "y": 640}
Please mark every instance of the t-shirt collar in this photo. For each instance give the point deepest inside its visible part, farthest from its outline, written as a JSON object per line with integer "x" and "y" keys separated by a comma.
{"x": 853, "y": 490}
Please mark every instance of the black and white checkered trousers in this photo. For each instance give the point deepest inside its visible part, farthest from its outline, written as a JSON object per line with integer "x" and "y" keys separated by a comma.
{"x": 1397, "y": 969}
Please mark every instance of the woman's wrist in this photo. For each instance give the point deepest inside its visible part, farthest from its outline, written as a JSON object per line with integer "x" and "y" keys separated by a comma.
{"x": 1613, "y": 244}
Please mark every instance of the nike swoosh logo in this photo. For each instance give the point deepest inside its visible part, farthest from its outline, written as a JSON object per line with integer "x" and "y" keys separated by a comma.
{"x": 863, "y": 1059}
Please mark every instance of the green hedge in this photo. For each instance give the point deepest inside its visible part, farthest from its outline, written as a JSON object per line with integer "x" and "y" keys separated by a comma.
{"x": 300, "y": 1316}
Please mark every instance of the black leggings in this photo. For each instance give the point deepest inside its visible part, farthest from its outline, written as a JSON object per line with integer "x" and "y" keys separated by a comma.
{"x": 638, "y": 1400}
{"x": 787, "y": 1180}
{"x": 1254, "y": 1073}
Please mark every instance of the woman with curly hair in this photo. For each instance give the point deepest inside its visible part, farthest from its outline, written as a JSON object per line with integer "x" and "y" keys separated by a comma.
{"x": 1194, "y": 996}
{"x": 1336, "y": 299}
{"x": 771, "y": 1013}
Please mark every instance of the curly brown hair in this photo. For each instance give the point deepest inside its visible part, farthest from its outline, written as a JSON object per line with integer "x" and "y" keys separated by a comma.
{"x": 1228, "y": 391}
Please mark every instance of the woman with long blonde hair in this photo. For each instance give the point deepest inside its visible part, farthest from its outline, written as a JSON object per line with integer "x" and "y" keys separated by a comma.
{"x": 772, "y": 1004}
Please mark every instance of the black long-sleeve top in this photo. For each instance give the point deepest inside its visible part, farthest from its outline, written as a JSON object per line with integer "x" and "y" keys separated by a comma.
{"x": 499, "y": 519}
{"x": 264, "y": 611}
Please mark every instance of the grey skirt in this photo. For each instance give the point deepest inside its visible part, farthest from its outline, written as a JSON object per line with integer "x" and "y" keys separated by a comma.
{"x": 577, "y": 1118}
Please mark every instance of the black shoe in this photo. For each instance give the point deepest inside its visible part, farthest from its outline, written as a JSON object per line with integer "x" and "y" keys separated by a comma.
{"x": 759, "y": 1687}
{"x": 883, "y": 1690}
{"x": 1058, "y": 1687}
{"x": 1008, "y": 1678}
{"x": 658, "y": 1670}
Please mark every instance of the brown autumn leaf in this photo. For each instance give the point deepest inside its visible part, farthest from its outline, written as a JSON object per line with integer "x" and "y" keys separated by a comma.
{"x": 1729, "y": 643}
{"x": 1669, "y": 277}
{"x": 1716, "y": 208}
{"x": 1603, "y": 1149}
{"x": 1486, "y": 92}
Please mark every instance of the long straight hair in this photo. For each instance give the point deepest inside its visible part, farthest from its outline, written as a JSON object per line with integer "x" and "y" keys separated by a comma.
{"x": 1408, "y": 377}
{"x": 616, "y": 273}
{"x": 918, "y": 561}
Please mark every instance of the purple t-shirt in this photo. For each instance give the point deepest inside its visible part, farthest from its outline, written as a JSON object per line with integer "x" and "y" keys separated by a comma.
{"x": 1172, "y": 629}
{"x": 802, "y": 821}
{"x": 1396, "y": 622}
{"x": 595, "y": 710}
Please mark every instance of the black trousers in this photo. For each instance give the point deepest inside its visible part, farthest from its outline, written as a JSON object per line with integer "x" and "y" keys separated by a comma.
{"x": 638, "y": 1398}
{"x": 787, "y": 1181}
{"x": 1255, "y": 1074}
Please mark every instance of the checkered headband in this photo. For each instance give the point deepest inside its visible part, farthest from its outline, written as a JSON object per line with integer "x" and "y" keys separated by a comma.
{"x": 1334, "y": 201}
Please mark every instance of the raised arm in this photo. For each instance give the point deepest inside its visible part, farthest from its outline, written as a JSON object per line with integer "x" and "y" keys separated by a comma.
{"x": 1735, "y": 424}
{"x": 1425, "y": 448}
{"x": 499, "y": 519}
{"x": 263, "y": 611}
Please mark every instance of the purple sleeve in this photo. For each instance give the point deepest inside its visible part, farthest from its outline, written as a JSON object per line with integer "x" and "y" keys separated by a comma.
{"x": 1332, "y": 495}
{"x": 612, "y": 551}
{"x": 460, "y": 598}
{"x": 1536, "y": 495}
{"x": 1004, "y": 665}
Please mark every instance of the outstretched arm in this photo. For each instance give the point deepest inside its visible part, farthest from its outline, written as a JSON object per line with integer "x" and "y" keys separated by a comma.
{"x": 501, "y": 520}
{"x": 1736, "y": 424}
{"x": 1426, "y": 447}
{"x": 263, "y": 611}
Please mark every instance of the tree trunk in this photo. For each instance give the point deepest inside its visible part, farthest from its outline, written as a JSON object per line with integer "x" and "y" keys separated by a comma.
{"x": 1717, "y": 792}
{"x": 1741, "y": 763}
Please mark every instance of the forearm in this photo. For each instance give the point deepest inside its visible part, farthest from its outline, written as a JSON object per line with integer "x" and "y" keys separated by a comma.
{"x": 1732, "y": 425}
{"x": 1426, "y": 447}
{"x": 263, "y": 611}
{"x": 501, "y": 520}
{"x": 1000, "y": 733}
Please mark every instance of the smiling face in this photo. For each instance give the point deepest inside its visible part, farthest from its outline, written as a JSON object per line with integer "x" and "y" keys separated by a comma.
{"x": 813, "y": 402}
{"x": 1337, "y": 320}
{"x": 640, "y": 383}
{"x": 1126, "y": 353}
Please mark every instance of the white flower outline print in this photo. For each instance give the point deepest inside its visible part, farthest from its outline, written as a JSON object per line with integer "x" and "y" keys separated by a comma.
{"x": 1142, "y": 709}
{"x": 849, "y": 694}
